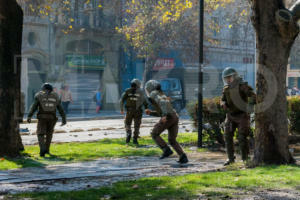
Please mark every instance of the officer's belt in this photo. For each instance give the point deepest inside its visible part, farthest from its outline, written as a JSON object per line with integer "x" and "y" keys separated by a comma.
{"x": 133, "y": 108}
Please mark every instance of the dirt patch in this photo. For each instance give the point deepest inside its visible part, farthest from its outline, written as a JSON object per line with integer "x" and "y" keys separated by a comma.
{"x": 60, "y": 131}
{"x": 94, "y": 129}
{"x": 76, "y": 130}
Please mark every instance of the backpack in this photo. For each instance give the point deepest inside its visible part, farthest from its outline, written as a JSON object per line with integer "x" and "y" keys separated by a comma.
{"x": 48, "y": 102}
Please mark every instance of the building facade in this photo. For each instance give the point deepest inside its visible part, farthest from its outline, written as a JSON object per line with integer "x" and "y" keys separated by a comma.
{"x": 78, "y": 48}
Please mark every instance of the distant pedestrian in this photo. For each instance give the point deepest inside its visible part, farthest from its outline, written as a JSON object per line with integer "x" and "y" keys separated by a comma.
{"x": 66, "y": 97}
{"x": 55, "y": 90}
{"x": 98, "y": 99}
{"x": 294, "y": 91}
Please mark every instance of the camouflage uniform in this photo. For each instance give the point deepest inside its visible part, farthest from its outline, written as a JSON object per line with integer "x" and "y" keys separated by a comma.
{"x": 46, "y": 104}
{"x": 239, "y": 99}
{"x": 163, "y": 108}
{"x": 135, "y": 100}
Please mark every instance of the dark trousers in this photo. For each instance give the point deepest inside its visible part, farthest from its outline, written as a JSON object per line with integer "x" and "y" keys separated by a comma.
{"x": 172, "y": 126}
{"x": 45, "y": 128}
{"x": 65, "y": 105}
{"x": 136, "y": 116}
{"x": 242, "y": 123}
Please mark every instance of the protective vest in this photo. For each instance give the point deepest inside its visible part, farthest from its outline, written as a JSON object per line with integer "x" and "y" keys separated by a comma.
{"x": 48, "y": 102}
{"x": 162, "y": 103}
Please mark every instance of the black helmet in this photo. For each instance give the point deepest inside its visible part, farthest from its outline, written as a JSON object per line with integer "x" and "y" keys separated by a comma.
{"x": 151, "y": 86}
{"x": 47, "y": 86}
{"x": 229, "y": 71}
{"x": 136, "y": 83}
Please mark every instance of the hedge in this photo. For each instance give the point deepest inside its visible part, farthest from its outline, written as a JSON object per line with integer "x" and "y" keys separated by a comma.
{"x": 294, "y": 114}
{"x": 215, "y": 115}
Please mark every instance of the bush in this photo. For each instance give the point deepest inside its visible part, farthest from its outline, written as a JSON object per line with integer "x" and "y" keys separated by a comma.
{"x": 294, "y": 114}
{"x": 215, "y": 115}
{"x": 212, "y": 114}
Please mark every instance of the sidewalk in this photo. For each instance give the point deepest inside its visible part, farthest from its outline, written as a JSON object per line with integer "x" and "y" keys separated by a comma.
{"x": 103, "y": 172}
{"x": 105, "y": 114}
{"x": 93, "y": 130}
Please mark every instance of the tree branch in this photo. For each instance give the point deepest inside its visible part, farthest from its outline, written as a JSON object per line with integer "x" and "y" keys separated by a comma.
{"x": 254, "y": 13}
{"x": 295, "y": 10}
{"x": 287, "y": 21}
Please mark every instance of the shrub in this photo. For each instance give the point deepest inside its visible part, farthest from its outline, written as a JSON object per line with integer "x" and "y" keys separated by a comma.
{"x": 294, "y": 114}
{"x": 212, "y": 114}
{"x": 215, "y": 115}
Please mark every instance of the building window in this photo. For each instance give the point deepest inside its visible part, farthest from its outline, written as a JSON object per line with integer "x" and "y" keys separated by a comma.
{"x": 31, "y": 38}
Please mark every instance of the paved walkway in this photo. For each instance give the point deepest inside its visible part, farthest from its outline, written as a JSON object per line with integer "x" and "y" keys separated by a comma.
{"x": 92, "y": 130}
{"x": 102, "y": 172}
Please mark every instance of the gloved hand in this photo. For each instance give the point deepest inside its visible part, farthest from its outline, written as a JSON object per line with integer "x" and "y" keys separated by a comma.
{"x": 29, "y": 120}
{"x": 147, "y": 111}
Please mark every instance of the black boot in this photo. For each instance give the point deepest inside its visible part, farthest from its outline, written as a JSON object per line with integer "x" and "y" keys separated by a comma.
{"x": 135, "y": 141}
{"x": 229, "y": 161}
{"x": 167, "y": 153}
{"x": 128, "y": 138}
{"x": 183, "y": 159}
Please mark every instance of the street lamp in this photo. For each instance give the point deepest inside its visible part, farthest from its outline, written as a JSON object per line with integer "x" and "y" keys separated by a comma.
{"x": 200, "y": 79}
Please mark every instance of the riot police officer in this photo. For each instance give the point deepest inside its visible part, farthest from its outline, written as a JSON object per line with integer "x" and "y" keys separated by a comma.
{"x": 237, "y": 100}
{"x": 46, "y": 102}
{"x": 169, "y": 120}
{"x": 134, "y": 100}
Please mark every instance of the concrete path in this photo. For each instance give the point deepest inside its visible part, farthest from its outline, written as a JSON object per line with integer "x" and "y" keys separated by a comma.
{"x": 92, "y": 130}
{"x": 103, "y": 172}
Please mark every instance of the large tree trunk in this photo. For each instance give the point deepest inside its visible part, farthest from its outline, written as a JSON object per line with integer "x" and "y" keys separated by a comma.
{"x": 276, "y": 30}
{"x": 11, "y": 22}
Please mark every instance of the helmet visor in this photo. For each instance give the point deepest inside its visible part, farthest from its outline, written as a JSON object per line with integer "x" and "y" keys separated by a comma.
{"x": 227, "y": 80}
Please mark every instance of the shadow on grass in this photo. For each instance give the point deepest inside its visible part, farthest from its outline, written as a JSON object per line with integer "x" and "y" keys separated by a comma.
{"x": 25, "y": 160}
{"x": 131, "y": 190}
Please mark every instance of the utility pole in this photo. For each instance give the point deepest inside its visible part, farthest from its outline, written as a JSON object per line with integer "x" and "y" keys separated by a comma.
{"x": 200, "y": 78}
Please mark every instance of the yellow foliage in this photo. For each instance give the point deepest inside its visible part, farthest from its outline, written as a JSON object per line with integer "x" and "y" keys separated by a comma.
{"x": 66, "y": 2}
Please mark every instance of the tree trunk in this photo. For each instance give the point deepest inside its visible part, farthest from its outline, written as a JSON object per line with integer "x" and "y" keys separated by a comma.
{"x": 276, "y": 30}
{"x": 149, "y": 62}
{"x": 11, "y": 22}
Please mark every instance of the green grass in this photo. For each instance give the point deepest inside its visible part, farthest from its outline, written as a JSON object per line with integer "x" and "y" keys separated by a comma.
{"x": 78, "y": 152}
{"x": 215, "y": 185}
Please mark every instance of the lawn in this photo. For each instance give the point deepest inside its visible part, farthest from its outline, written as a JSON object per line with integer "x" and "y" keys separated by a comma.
{"x": 78, "y": 152}
{"x": 213, "y": 185}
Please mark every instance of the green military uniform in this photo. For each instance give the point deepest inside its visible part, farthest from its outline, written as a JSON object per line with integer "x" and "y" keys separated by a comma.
{"x": 239, "y": 98}
{"x": 163, "y": 108}
{"x": 46, "y": 103}
{"x": 134, "y": 100}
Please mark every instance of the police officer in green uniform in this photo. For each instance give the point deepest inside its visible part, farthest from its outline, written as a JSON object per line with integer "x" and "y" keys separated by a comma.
{"x": 46, "y": 102}
{"x": 169, "y": 120}
{"x": 134, "y": 100}
{"x": 238, "y": 101}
